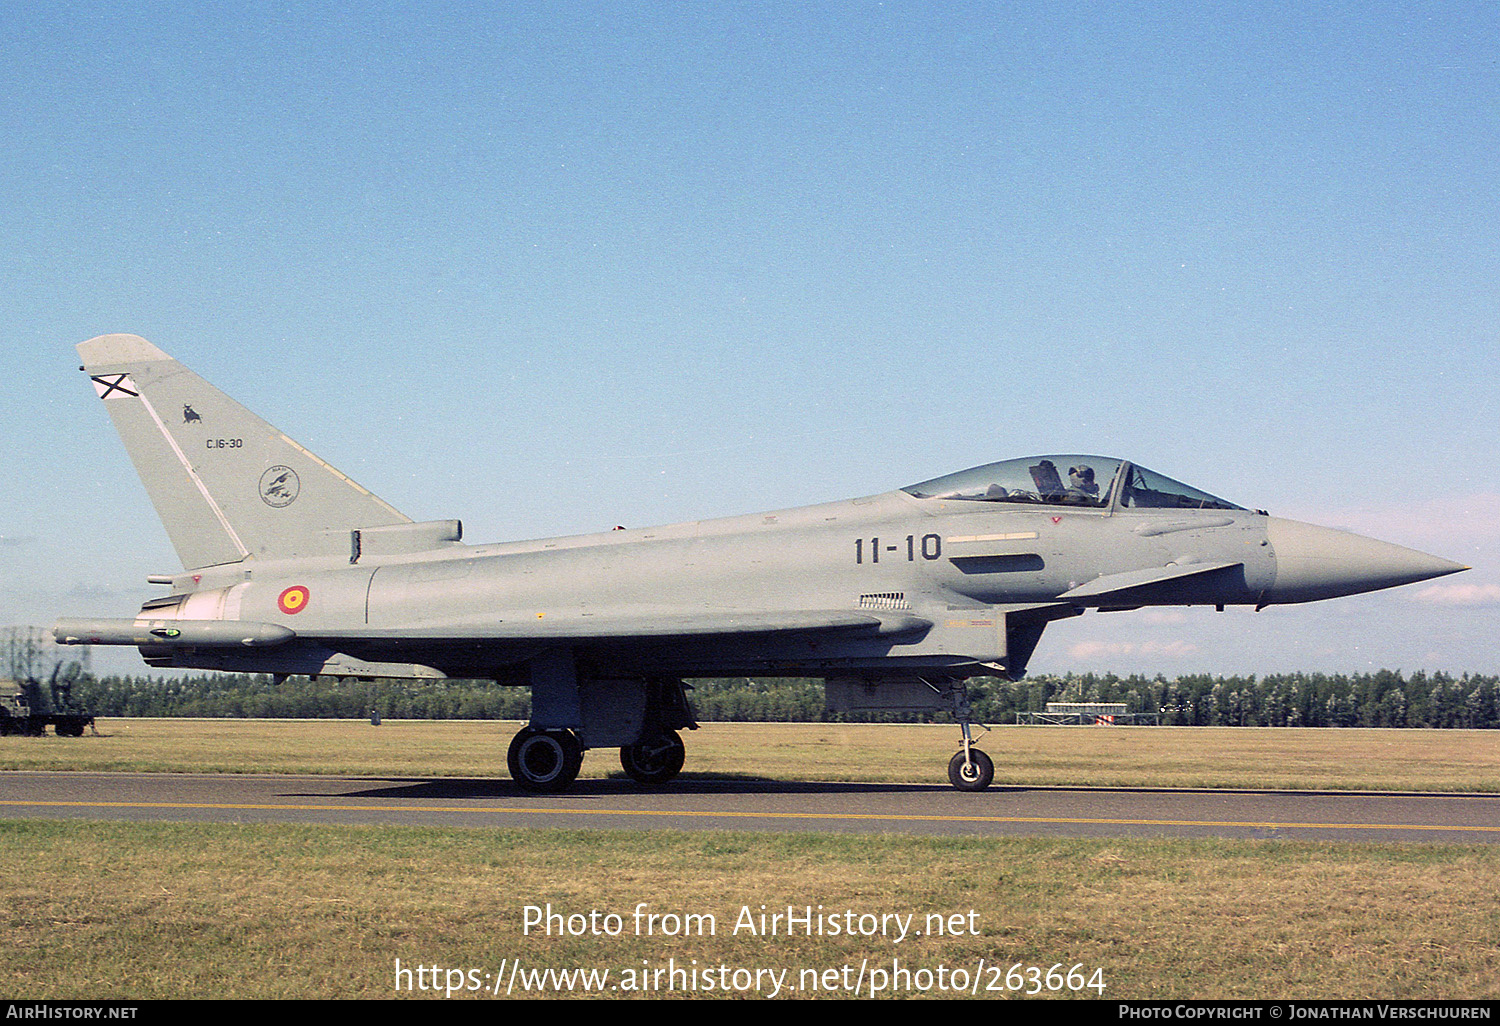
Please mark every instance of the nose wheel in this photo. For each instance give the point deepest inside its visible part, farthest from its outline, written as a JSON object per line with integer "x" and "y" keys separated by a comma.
{"x": 971, "y": 770}
{"x": 545, "y": 761}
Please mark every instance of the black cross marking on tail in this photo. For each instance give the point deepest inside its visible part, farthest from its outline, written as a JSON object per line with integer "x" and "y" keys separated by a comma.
{"x": 113, "y": 385}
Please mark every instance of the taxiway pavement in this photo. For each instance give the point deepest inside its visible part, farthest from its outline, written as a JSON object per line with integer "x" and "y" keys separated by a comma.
{"x": 700, "y": 804}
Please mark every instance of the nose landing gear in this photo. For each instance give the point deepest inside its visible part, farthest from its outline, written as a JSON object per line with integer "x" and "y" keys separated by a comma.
{"x": 970, "y": 769}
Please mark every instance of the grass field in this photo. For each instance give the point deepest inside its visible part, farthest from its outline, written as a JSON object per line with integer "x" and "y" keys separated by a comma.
{"x": 1255, "y": 757}
{"x": 99, "y": 910}
{"x": 139, "y": 911}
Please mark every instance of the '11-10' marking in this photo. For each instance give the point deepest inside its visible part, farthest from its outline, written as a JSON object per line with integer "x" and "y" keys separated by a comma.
{"x": 932, "y": 548}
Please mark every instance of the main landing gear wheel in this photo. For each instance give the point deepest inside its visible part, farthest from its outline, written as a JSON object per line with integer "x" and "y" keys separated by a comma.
{"x": 545, "y": 761}
{"x": 656, "y": 761}
{"x": 973, "y": 774}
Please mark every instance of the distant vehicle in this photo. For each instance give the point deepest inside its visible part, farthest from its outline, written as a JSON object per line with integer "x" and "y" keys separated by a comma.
{"x": 894, "y": 599}
{"x": 27, "y": 708}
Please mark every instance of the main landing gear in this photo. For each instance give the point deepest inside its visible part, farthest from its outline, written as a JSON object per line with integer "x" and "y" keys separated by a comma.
{"x": 640, "y": 716}
{"x": 545, "y": 761}
{"x": 654, "y": 762}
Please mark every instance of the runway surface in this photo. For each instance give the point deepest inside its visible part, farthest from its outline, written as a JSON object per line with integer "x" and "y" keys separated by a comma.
{"x": 701, "y": 804}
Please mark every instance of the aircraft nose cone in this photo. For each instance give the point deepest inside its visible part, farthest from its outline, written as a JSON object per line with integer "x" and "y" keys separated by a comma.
{"x": 1320, "y": 562}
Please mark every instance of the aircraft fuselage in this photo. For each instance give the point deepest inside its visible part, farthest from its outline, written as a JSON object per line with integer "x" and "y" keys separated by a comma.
{"x": 921, "y": 585}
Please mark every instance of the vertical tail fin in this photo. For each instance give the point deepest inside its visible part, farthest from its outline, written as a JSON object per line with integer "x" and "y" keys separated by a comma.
{"x": 226, "y": 484}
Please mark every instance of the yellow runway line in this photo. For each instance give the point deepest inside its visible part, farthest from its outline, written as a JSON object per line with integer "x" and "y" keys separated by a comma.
{"x": 851, "y": 817}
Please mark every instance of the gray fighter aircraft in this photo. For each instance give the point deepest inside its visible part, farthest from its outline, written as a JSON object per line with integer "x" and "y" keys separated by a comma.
{"x": 894, "y": 599}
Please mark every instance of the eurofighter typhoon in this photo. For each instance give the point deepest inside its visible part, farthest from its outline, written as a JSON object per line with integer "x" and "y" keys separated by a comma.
{"x": 895, "y": 599}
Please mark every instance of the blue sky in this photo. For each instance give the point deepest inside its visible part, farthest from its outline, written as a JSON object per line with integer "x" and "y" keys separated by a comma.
{"x": 553, "y": 267}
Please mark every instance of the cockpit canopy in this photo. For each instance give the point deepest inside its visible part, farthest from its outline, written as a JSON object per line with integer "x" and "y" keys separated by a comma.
{"x": 1096, "y": 482}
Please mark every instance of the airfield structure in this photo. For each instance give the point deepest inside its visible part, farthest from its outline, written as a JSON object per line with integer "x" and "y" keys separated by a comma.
{"x": 1073, "y": 714}
{"x": 28, "y": 705}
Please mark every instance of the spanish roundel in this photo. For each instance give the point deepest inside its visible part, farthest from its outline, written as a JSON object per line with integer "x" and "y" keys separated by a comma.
{"x": 293, "y": 600}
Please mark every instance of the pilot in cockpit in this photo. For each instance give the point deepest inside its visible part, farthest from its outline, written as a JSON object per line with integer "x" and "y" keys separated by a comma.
{"x": 1081, "y": 484}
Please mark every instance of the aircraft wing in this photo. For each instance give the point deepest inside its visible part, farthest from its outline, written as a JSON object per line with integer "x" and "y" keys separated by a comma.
{"x": 144, "y": 630}
{"x": 527, "y": 627}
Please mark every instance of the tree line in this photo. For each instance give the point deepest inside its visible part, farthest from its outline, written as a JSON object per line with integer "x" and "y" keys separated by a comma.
{"x": 1386, "y": 698}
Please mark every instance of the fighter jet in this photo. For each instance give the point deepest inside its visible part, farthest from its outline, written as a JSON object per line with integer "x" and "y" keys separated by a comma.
{"x": 896, "y": 599}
